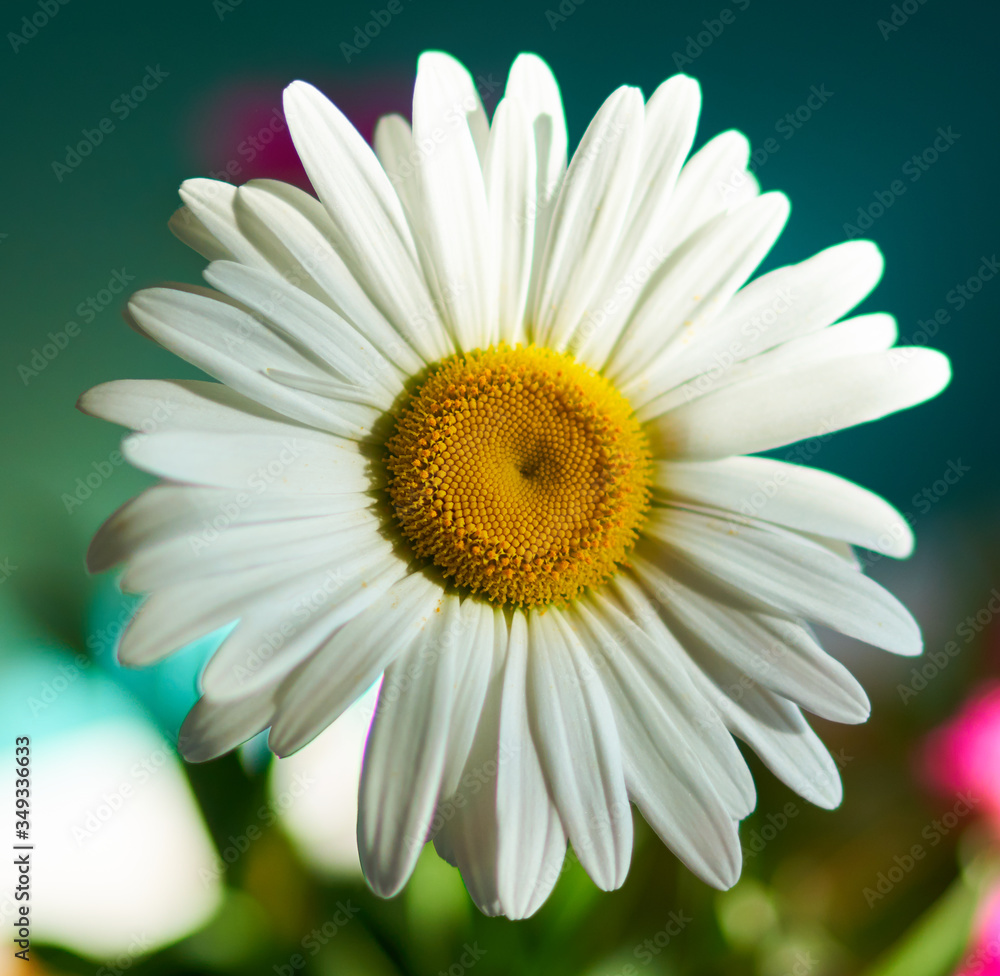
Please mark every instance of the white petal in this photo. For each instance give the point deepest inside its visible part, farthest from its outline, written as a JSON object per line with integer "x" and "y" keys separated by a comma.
{"x": 393, "y": 144}
{"x": 454, "y": 237}
{"x": 665, "y": 778}
{"x": 501, "y": 828}
{"x": 232, "y": 345}
{"x": 876, "y": 332}
{"x": 279, "y": 632}
{"x": 787, "y": 573}
{"x": 270, "y": 231}
{"x": 779, "y": 409}
{"x": 306, "y": 461}
{"x": 766, "y": 649}
{"x": 167, "y": 511}
{"x": 313, "y": 325}
{"x": 300, "y": 234}
{"x": 843, "y": 549}
{"x": 465, "y": 824}
{"x": 212, "y": 729}
{"x": 532, "y": 83}
{"x": 457, "y": 87}
{"x": 188, "y": 229}
{"x": 157, "y": 629}
{"x": 367, "y": 395}
{"x": 200, "y": 554}
{"x": 781, "y": 305}
{"x": 775, "y": 729}
{"x": 350, "y": 662}
{"x": 710, "y": 184}
{"x": 635, "y": 629}
{"x": 405, "y": 755}
{"x": 275, "y": 227}
{"x": 473, "y": 633}
{"x": 149, "y": 518}
{"x": 714, "y": 181}
{"x": 212, "y": 204}
{"x": 671, "y": 117}
{"x": 510, "y": 187}
{"x": 792, "y": 495}
{"x": 743, "y": 187}
{"x": 589, "y": 215}
{"x": 852, "y": 337}
{"x": 160, "y": 405}
{"x": 188, "y": 406}
{"x": 574, "y": 729}
{"x": 532, "y": 839}
{"x": 370, "y": 230}
{"x": 692, "y": 286}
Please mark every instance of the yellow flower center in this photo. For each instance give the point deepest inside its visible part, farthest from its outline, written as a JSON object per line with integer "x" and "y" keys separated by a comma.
{"x": 521, "y": 473}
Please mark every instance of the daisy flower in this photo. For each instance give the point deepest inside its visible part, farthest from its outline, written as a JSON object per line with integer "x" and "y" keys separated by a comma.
{"x": 481, "y": 430}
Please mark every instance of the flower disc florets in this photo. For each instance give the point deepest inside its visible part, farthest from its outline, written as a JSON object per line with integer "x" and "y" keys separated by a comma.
{"x": 521, "y": 473}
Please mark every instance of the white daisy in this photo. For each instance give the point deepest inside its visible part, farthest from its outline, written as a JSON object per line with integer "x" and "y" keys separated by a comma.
{"x": 481, "y": 427}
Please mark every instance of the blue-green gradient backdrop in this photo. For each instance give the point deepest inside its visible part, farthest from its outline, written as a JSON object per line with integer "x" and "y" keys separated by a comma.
{"x": 891, "y": 89}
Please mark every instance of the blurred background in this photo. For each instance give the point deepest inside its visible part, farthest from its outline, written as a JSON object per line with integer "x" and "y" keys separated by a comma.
{"x": 879, "y": 119}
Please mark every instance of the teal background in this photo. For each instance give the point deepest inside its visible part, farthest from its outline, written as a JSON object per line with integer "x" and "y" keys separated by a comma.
{"x": 61, "y": 241}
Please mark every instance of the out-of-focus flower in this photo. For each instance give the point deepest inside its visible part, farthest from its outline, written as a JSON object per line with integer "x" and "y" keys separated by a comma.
{"x": 983, "y": 958}
{"x": 122, "y": 863}
{"x": 963, "y": 755}
{"x": 315, "y": 792}
{"x": 242, "y": 134}
{"x": 122, "y": 851}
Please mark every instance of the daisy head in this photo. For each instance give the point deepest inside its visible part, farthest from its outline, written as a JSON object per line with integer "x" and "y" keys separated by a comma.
{"x": 482, "y": 429}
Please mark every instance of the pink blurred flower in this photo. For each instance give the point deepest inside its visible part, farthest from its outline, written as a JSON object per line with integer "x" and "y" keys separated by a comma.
{"x": 241, "y": 134}
{"x": 983, "y": 957}
{"x": 963, "y": 756}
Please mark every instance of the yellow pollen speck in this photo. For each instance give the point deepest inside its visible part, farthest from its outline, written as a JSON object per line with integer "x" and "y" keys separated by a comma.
{"x": 521, "y": 473}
